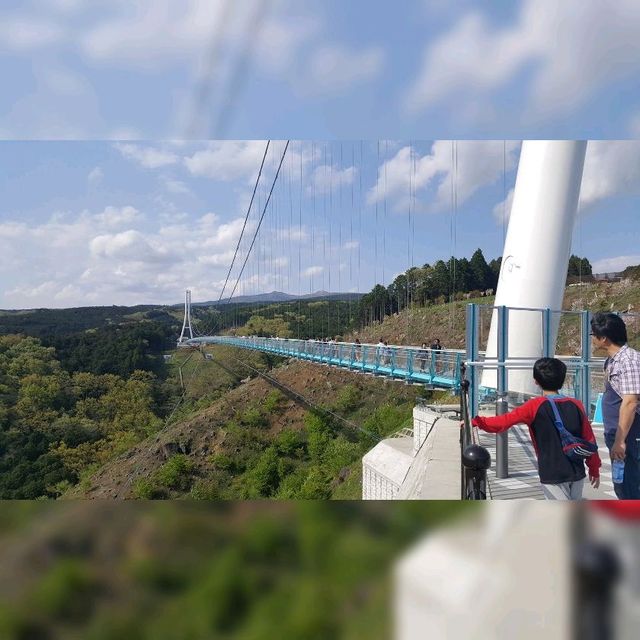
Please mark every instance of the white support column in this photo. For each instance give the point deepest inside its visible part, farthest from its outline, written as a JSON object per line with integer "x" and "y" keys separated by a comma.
{"x": 186, "y": 324}
{"x": 536, "y": 250}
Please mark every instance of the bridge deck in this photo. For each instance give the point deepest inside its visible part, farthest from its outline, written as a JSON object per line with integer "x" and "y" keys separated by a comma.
{"x": 426, "y": 366}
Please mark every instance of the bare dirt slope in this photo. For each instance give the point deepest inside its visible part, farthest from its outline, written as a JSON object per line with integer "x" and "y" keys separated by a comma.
{"x": 447, "y": 321}
{"x": 203, "y": 434}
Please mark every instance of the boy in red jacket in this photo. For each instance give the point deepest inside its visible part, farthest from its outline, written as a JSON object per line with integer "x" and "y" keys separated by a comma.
{"x": 561, "y": 478}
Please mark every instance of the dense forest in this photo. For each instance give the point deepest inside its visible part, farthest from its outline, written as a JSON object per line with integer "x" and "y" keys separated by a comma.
{"x": 58, "y": 422}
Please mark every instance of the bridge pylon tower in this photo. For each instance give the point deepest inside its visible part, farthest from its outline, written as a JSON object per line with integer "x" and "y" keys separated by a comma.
{"x": 186, "y": 324}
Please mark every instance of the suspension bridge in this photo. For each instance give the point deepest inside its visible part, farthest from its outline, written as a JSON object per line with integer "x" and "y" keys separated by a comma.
{"x": 423, "y": 462}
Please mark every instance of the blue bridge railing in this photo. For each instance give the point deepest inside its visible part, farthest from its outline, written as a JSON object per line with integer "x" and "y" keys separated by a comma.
{"x": 439, "y": 368}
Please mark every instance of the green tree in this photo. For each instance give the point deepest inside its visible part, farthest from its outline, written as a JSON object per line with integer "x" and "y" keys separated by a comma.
{"x": 481, "y": 274}
{"x": 579, "y": 266}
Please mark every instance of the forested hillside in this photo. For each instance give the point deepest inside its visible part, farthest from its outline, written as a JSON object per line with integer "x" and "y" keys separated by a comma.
{"x": 56, "y": 425}
{"x": 102, "y": 412}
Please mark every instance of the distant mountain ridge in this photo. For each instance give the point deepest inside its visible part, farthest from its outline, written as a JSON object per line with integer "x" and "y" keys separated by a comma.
{"x": 279, "y": 296}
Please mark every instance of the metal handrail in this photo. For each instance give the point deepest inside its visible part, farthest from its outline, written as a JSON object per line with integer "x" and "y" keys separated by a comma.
{"x": 474, "y": 458}
{"x": 412, "y": 364}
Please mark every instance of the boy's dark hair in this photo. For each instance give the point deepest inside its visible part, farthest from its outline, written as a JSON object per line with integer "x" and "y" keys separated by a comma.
{"x": 549, "y": 373}
{"x": 609, "y": 325}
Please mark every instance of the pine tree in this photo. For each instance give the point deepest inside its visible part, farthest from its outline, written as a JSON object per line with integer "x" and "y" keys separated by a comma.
{"x": 481, "y": 273}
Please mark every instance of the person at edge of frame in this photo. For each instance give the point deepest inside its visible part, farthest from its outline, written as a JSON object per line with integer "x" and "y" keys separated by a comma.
{"x": 620, "y": 406}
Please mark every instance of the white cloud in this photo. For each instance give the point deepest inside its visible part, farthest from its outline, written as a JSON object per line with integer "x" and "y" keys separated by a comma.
{"x": 502, "y": 211}
{"x": 279, "y": 262}
{"x": 229, "y": 160}
{"x": 148, "y": 157}
{"x": 75, "y": 259}
{"x": 115, "y": 216}
{"x": 570, "y": 48}
{"x": 611, "y": 167}
{"x": 325, "y": 177}
{"x": 334, "y": 68}
{"x": 12, "y": 229}
{"x": 352, "y": 244}
{"x": 479, "y": 163}
{"x": 95, "y": 175}
{"x": 615, "y": 264}
{"x": 128, "y": 245}
{"x": 215, "y": 234}
{"x": 151, "y": 35}
{"x": 220, "y": 259}
{"x": 312, "y": 271}
{"x": 295, "y": 234}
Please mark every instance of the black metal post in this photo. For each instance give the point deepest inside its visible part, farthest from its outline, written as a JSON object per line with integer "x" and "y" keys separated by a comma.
{"x": 596, "y": 570}
{"x": 474, "y": 459}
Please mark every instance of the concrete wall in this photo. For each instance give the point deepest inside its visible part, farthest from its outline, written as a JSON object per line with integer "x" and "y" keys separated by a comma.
{"x": 386, "y": 467}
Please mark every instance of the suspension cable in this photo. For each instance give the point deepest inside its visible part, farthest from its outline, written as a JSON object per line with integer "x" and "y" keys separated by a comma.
{"x": 255, "y": 188}
{"x": 314, "y": 406}
{"x": 261, "y": 218}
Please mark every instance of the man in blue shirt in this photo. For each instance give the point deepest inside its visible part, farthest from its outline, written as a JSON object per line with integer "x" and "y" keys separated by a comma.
{"x": 620, "y": 402}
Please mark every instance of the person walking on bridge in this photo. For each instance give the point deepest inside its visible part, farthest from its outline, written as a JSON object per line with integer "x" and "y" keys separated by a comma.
{"x": 561, "y": 475}
{"x": 422, "y": 356}
{"x": 620, "y": 402}
{"x": 436, "y": 348}
{"x": 387, "y": 351}
{"x": 357, "y": 349}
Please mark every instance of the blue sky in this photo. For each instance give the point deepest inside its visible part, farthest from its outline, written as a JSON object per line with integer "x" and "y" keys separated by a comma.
{"x": 105, "y": 222}
{"x": 280, "y": 68}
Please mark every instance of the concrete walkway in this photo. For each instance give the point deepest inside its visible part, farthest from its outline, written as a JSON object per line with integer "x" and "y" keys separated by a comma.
{"x": 523, "y": 469}
{"x": 435, "y": 472}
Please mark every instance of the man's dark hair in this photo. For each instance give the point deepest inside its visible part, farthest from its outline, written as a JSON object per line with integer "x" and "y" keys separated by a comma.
{"x": 609, "y": 325}
{"x": 549, "y": 373}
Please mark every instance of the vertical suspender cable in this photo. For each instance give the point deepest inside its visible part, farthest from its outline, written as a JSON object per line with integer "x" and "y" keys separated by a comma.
{"x": 376, "y": 230}
{"x": 409, "y": 231}
{"x": 330, "y": 224}
{"x": 353, "y": 168}
{"x": 340, "y": 249}
{"x": 360, "y": 211}
{"x": 384, "y": 214}
{"x": 299, "y": 291}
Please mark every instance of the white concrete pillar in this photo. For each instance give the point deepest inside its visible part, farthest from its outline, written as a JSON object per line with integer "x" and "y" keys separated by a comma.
{"x": 537, "y": 249}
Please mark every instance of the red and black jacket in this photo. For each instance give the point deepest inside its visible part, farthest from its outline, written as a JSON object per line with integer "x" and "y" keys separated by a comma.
{"x": 554, "y": 466}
